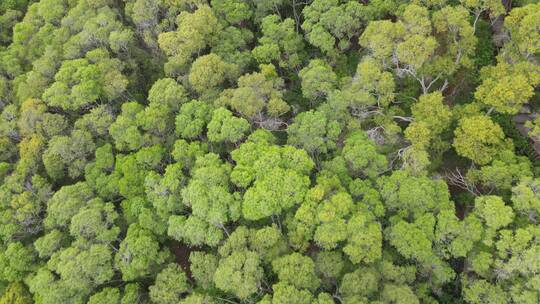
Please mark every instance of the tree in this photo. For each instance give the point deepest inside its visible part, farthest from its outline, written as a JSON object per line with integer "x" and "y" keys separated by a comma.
{"x": 16, "y": 261}
{"x": 83, "y": 269}
{"x": 318, "y": 80}
{"x": 454, "y": 237}
{"x": 370, "y": 86}
{"x": 16, "y": 293}
{"x": 323, "y": 32}
{"x": 48, "y": 289}
{"x": 507, "y": 87}
{"x": 68, "y": 154}
{"x": 525, "y": 199}
{"x": 196, "y": 31}
{"x": 493, "y": 211}
{"x": 192, "y": 119}
{"x": 97, "y": 122}
{"x": 171, "y": 283}
{"x": 259, "y": 97}
{"x": 524, "y": 40}
{"x": 359, "y": 284}
{"x": 166, "y": 96}
{"x": 124, "y": 130}
{"x": 414, "y": 39}
{"x": 408, "y": 196}
{"x": 239, "y": 273}
{"x": 65, "y": 203}
{"x": 329, "y": 216}
{"x": 167, "y": 91}
{"x": 366, "y": 246}
{"x": 35, "y": 119}
{"x": 207, "y": 72}
{"x": 224, "y": 127}
{"x": 266, "y": 198}
{"x": 211, "y": 203}
{"x": 233, "y": 11}
{"x": 107, "y": 295}
{"x": 139, "y": 254}
{"x": 480, "y": 290}
{"x": 399, "y": 294}
{"x": 313, "y": 132}
{"x": 193, "y": 230}
{"x": 132, "y": 293}
{"x": 234, "y": 48}
{"x": 50, "y": 243}
{"x": 100, "y": 175}
{"x": 505, "y": 171}
{"x": 296, "y": 270}
{"x": 362, "y": 156}
{"x": 477, "y": 7}
{"x": 187, "y": 153}
{"x": 164, "y": 192}
{"x": 240, "y": 269}
{"x": 251, "y": 168}
{"x": 479, "y": 139}
{"x": 132, "y": 169}
{"x": 203, "y": 266}
{"x": 80, "y": 82}
{"x": 286, "y": 293}
{"x": 280, "y": 43}
{"x": 95, "y": 222}
{"x": 431, "y": 110}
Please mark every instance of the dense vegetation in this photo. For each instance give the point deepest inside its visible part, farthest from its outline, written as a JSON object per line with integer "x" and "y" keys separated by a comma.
{"x": 269, "y": 151}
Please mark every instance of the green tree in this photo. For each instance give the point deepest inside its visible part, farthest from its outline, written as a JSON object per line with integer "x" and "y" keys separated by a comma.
{"x": 68, "y": 153}
{"x": 106, "y": 295}
{"x": 286, "y": 293}
{"x": 264, "y": 197}
{"x": 259, "y": 97}
{"x": 408, "y": 196}
{"x": 124, "y": 130}
{"x": 524, "y": 39}
{"x": 192, "y": 119}
{"x": 83, "y": 269}
{"x": 16, "y": 261}
{"x": 50, "y": 243}
{"x": 414, "y": 39}
{"x": 525, "y": 199}
{"x": 207, "y": 72}
{"x": 16, "y": 293}
{"x": 203, "y": 266}
{"x": 362, "y": 156}
{"x": 479, "y": 139}
{"x": 65, "y": 203}
{"x": 139, "y": 254}
{"x": 240, "y": 273}
{"x": 318, "y": 79}
{"x": 196, "y": 30}
{"x": 171, "y": 283}
{"x": 80, "y": 82}
{"x": 280, "y": 43}
{"x": 95, "y": 222}
{"x": 313, "y": 132}
{"x": 224, "y": 127}
{"x": 296, "y": 270}
{"x": 234, "y": 11}
{"x": 506, "y": 87}
{"x": 324, "y": 32}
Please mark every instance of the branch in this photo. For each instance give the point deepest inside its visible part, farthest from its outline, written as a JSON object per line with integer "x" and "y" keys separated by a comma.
{"x": 456, "y": 178}
{"x": 407, "y": 119}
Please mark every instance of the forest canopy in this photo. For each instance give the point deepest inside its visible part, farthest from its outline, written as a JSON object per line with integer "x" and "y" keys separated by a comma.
{"x": 269, "y": 151}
